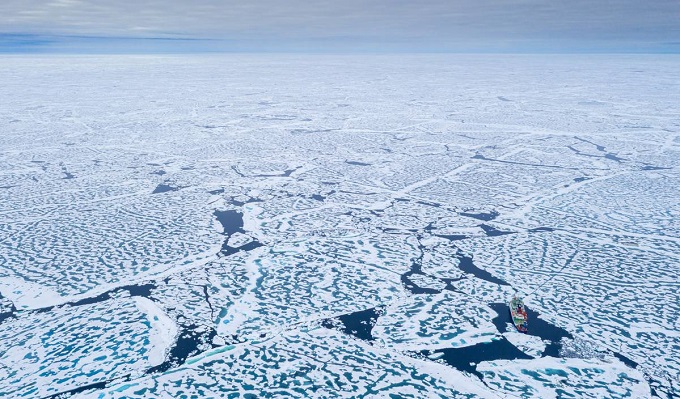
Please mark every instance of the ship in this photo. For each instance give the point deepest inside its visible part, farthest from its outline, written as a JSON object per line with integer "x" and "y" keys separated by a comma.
{"x": 519, "y": 314}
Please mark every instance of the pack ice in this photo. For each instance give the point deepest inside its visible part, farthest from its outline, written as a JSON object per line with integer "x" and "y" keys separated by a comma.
{"x": 339, "y": 226}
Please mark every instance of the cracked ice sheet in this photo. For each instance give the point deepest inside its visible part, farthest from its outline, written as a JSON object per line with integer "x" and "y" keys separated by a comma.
{"x": 484, "y": 291}
{"x": 549, "y": 378}
{"x": 638, "y": 204}
{"x": 440, "y": 260}
{"x": 623, "y": 281}
{"x": 102, "y": 244}
{"x": 319, "y": 361}
{"x": 47, "y": 353}
{"x": 286, "y": 289}
{"x": 202, "y": 296}
{"x": 402, "y": 118}
{"x": 444, "y": 320}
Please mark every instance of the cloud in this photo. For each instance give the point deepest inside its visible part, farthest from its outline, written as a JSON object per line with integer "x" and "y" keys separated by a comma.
{"x": 432, "y": 24}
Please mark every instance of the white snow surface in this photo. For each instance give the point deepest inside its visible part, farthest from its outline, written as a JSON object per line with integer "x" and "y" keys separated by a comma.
{"x": 26, "y": 294}
{"x": 163, "y": 331}
{"x": 339, "y": 226}
{"x": 551, "y": 378}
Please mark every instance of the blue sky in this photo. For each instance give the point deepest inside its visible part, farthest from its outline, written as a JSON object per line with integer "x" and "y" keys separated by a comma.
{"x": 140, "y": 26}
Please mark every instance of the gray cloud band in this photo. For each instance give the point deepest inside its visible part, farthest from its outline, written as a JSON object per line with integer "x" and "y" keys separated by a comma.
{"x": 444, "y": 24}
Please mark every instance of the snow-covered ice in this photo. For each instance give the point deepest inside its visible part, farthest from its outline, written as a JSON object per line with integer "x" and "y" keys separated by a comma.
{"x": 339, "y": 226}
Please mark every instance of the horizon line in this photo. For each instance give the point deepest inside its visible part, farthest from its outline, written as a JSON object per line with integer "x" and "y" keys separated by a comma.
{"x": 41, "y": 43}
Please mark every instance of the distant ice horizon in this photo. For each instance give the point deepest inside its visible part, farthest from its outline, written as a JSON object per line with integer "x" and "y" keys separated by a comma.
{"x": 30, "y": 43}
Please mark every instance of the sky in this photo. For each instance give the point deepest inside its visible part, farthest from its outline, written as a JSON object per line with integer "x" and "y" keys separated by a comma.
{"x": 148, "y": 26}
